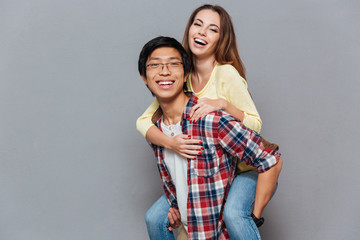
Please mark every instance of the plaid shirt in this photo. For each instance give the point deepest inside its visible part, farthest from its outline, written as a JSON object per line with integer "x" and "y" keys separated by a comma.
{"x": 209, "y": 176}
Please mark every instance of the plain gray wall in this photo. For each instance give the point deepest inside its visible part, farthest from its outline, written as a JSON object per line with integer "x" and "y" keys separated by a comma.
{"x": 73, "y": 167}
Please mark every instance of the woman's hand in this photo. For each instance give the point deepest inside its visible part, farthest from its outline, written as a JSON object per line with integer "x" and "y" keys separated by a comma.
{"x": 174, "y": 218}
{"x": 185, "y": 146}
{"x": 205, "y": 106}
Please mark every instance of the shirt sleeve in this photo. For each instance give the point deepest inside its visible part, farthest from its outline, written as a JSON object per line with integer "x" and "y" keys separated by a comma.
{"x": 245, "y": 144}
{"x": 234, "y": 90}
{"x": 143, "y": 123}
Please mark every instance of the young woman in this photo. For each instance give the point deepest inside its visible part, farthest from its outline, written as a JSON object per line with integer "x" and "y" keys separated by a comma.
{"x": 218, "y": 79}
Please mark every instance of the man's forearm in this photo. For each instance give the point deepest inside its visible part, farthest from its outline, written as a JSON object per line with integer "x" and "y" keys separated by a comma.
{"x": 265, "y": 188}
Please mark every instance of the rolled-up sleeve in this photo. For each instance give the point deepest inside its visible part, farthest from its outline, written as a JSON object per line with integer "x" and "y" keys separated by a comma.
{"x": 246, "y": 144}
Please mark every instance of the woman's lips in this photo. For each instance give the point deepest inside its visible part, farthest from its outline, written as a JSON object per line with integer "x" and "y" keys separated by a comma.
{"x": 200, "y": 42}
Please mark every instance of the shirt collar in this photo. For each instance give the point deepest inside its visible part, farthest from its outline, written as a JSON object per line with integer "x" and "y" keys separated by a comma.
{"x": 192, "y": 101}
{"x": 156, "y": 118}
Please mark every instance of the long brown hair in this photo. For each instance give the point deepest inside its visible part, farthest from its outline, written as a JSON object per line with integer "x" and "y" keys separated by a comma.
{"x": 226, "y": 49}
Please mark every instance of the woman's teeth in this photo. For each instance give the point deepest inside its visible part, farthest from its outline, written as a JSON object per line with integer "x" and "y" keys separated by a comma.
{"x": 199, "y": 41}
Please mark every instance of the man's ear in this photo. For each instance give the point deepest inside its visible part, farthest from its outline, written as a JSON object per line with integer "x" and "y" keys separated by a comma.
{"x": 186, "y": 76}
{"x": 144, "y": 79}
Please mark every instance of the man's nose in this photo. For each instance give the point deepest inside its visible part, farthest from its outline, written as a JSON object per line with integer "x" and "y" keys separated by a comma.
{"x": 164, "y": 69}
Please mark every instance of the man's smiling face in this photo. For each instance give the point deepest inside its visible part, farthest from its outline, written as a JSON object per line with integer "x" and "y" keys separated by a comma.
{"x": 165, "y": 73}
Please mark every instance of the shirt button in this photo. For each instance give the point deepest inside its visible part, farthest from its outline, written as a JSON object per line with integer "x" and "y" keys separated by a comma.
{"x": 172, "y": 134}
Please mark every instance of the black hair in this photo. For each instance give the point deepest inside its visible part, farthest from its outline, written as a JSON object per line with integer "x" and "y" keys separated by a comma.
{"x": 158, "y": 42}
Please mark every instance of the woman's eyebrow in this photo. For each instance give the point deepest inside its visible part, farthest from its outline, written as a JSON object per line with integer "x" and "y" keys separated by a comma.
{"x": 213, "y": 25}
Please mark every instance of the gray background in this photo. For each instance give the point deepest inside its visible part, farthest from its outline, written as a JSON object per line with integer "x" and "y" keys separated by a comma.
{"x": 72, "y": 165}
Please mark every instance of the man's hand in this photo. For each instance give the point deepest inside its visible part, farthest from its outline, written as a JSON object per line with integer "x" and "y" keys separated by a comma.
{"x": 174, "y": 218}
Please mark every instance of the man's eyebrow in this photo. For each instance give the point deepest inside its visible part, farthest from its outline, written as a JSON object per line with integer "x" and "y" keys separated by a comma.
{"x": 213, "y": 25}
{"x": 161, "y": 58}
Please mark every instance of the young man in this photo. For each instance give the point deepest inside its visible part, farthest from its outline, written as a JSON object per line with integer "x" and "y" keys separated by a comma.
{"x": 196, "y": 189}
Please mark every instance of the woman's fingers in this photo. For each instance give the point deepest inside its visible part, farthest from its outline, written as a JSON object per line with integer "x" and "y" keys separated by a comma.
{"x": 194, "y": 108}
{"x": 192, "y": 144}
{"x": 187, "y": 147}
{"x": 191, "y": 154}
{"x": 202, "y": 112}
{"x": 187, "y": 140}
{"x": 205, "y": 106}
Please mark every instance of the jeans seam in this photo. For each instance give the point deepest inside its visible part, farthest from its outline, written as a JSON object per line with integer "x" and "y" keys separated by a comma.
{"x": 255, "y": 228}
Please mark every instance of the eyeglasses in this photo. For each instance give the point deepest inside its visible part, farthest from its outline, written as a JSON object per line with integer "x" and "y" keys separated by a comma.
{"x": 171, "y": 66}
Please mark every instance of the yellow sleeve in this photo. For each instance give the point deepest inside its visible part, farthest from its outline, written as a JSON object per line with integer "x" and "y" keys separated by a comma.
{"x": 235, "y": 91}
{"x": 143, "y": 123}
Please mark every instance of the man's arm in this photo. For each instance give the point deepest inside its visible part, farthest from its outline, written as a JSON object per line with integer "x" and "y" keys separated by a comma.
{"x": 254, "y": 150}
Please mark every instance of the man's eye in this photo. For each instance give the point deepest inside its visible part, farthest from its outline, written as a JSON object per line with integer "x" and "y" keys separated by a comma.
{"x": 154, "y": 65}
{"x": 174, "y": 64}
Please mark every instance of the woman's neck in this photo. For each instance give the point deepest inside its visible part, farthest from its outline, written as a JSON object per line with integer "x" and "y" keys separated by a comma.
{"x": 202, "y": 72}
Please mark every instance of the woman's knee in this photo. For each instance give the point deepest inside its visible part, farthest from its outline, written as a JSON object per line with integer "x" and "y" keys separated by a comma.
{"x": 236, "y": 215}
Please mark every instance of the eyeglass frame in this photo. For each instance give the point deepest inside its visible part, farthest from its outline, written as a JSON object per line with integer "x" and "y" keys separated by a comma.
{"x": 162, "y": 65}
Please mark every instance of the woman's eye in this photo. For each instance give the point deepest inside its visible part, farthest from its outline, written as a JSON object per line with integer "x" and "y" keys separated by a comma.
{"x": 214, "y": 30}
{"x": 196, "y": 24}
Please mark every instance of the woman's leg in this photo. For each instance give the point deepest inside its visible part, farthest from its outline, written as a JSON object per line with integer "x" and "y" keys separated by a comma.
{"x": 239, "y": 206}
{"x": 157, "y": 220}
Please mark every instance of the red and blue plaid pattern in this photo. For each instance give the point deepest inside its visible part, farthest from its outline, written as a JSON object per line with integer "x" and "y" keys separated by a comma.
{"x": 211, "y": 173}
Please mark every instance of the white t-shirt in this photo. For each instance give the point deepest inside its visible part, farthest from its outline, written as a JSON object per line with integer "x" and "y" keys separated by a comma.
{"x": 177, "y": 166}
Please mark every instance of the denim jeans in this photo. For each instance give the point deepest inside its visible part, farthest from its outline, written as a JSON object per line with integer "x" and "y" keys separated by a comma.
{"x": 157, "y": 220}
{"x": 237, "y": 213}
{"x": 239, "y": 206}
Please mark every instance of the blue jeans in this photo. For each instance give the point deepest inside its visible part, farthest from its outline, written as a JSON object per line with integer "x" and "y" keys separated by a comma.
{"x": 239, "y": 206}
{"x": 157, "y": 220}
{"x": 237, "y": 213}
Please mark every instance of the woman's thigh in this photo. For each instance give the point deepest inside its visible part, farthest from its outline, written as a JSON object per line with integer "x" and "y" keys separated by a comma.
{"x": 242, "y": 193}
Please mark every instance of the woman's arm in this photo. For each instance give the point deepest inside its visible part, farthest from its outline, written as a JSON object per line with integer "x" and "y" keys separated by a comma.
{"x": 232, "y": 96}
{"x": 143, "y": 123}
{"x": 237, "y": 95}
{"x": 206, "y": 105}
{"x": 181, "y": 144}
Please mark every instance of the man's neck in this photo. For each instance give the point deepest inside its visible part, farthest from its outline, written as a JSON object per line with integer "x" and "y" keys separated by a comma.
{"x": 173, "y": 110}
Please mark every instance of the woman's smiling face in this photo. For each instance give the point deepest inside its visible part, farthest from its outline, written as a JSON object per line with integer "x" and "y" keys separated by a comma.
{"x": 204, "y": 33}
